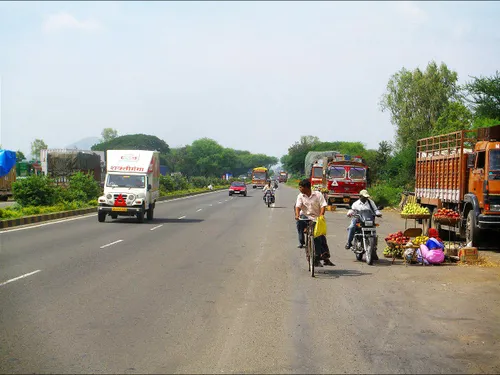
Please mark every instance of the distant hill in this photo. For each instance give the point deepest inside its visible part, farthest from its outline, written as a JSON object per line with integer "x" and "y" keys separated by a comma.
{"x": 85, "y": 143}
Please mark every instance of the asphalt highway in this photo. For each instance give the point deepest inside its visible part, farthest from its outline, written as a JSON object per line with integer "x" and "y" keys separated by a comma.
{"x": 216, "y": 284}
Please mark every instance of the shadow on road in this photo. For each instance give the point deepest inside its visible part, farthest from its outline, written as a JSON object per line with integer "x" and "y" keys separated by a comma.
{"x": 279, "y": 207}
{"x": 336, "y": 273}
{"x": 154, "y": 221}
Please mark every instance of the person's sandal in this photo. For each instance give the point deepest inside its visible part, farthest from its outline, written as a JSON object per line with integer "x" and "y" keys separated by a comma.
{"x": 327, "y": 262}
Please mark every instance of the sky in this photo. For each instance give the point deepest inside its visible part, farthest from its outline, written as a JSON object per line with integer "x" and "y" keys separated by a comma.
{"x": 252, "y": 75}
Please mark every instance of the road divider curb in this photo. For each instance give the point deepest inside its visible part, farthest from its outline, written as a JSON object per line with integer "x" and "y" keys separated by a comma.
{"x": 10, "y": 223}
{"x": 44, "y": 217}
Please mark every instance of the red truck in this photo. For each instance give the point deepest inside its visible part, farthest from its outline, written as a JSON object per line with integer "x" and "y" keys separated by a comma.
{"x": 345, "y": 178}
{"x": 460, "y": 171}
{"x": 342, "y": 176}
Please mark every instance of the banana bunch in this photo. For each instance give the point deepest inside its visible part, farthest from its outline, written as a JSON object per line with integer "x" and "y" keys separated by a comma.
{"x": 387, "y": 251}
{"x": 420, "y": 240}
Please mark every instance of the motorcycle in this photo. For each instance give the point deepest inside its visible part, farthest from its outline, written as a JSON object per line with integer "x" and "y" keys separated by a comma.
{"x": 365, "y": 238}
{"x": 269, "y": 198}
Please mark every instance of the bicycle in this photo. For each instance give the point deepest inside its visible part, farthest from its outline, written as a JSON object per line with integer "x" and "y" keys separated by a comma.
{"x": 309, "y": 239}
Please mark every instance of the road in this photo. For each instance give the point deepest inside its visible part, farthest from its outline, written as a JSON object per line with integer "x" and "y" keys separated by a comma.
{"x": 218, "y": 285}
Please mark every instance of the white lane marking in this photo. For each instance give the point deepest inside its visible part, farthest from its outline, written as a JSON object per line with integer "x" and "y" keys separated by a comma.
{"x": 198, "y": 210}
{"x": 182, "y": 217}
{"x": 191, "y": 196}
{"x": 220, "y": 202}
{"x": 226, "y": 200}
{"x": 158, "y": 226}
{"x": 211, "y": 204}
{"x": 48, "y": 223}
{"x": 19, "y": 277}
{"x": 111, "y": 244}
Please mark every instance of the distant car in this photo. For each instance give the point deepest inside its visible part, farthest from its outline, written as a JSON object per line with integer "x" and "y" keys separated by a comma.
{"x": 238, "y": 187}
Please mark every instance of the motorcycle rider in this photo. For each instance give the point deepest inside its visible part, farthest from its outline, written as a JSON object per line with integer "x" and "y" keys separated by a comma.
{"x": 363, "y": 203}
{"x": 313, "y": 205}
{"x": 266, "y": 188}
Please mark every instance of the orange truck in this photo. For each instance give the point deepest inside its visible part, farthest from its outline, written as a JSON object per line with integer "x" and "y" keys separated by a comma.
{"x": 461, "y": 171}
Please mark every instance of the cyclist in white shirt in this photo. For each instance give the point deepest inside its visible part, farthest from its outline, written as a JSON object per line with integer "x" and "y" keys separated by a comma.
{"x": 312, "y": 204}
{"x": 363, "y": 203}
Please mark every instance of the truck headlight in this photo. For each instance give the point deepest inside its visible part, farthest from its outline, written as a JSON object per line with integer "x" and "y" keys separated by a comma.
{"x": 494, "y": 207}
{"x": 131, "y": 197}
{"x": 109, "y": 196}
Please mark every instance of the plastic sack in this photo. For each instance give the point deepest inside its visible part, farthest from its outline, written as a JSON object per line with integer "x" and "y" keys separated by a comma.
{"x": 7, "y": 161}
{"x": 320, "y": 228}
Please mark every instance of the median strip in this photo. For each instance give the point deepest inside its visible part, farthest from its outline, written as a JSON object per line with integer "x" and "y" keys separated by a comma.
{"x": 111, "y": 244}
{"x": 19, "y": 277}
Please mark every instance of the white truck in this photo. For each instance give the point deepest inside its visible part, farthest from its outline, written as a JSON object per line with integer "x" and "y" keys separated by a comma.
{"x": 132, "y": 184}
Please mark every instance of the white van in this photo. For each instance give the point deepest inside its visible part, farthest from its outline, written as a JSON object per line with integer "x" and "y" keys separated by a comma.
{"x": 132, "y": 184}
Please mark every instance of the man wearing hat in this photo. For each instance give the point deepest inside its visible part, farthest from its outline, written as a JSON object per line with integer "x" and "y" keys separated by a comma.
{"x": 363, "y": 203}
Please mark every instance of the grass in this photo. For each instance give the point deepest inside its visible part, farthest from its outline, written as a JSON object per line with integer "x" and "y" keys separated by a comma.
{"x": 16, "y": 212}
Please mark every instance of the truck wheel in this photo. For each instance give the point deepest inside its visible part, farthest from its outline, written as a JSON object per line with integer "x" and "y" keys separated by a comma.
{"x": 101, "y": 217}
{"x": 140, "y": 217}
{"x": 471, "y": 231}
{"x": 150, "y": 213}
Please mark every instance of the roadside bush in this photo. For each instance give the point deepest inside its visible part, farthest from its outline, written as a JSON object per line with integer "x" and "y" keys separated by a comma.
{"x": 82, "y": 187}
{"x": 385, "y": 195}
{"x": 199, "y": 182}
{"x": 166, "y": 183}
{"x": 35, "y": 191}
{"x": 180, "y": 182}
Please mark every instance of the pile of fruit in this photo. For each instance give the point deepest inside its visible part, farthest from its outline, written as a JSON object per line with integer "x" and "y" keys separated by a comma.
{"x": 397, "y": 238}
{"x": 415, "y": 209}
{"x": 446, "y": 214}
{"x": 387, "y": 252}
{"x": 420, "y": 240}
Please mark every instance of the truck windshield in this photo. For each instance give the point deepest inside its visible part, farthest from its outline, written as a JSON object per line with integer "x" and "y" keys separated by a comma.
{"x": 357, "y": 173}
{"x": 259, "y": 175}
{"x": 336, "y": 172}
{"x": 128, "y": 181}
{"x": 494, "y": 160}
{"x": 317, "y": 172}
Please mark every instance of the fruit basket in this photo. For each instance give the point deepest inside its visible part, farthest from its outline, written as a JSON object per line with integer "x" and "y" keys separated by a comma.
{"x": 415, "y": 216}
{"x": 415, "y": 211}
{"x": 446, "y": 216}
{"x": 446, "y": 220}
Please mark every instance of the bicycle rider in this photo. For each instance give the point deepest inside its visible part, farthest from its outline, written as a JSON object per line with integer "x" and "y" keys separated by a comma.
{"x": 312, "y": 204}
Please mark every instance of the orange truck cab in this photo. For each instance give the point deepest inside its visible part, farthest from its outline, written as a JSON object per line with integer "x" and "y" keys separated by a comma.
{"x": 461, "y": 171}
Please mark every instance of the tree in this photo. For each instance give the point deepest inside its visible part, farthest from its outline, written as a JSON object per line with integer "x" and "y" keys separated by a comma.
{"x": 416, "y": 100}
{"x": 20, "y": 155}
{"x": 294, "y": 161}
{"x": 133, "y": 142}
{"x": 456, "y": 116}
{"x": 108, "y": 134}
{"x": 483, "y": 96}
{"x": 36, "y": 146}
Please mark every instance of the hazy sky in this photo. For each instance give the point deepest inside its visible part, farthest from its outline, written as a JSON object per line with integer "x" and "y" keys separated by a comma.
{"x": 251, "y": 75}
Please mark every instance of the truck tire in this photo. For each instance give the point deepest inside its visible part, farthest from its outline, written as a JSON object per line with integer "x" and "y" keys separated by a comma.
{"x": 471, "y": 230}
{"x": 151, "y": 213}
{"x": 101, "y": 217}
{"x": 140, "y": 217}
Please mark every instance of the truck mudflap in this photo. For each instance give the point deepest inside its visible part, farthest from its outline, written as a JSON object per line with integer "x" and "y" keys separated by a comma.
{"x": 488, "y": 221}
{"x": 127, "y": 211}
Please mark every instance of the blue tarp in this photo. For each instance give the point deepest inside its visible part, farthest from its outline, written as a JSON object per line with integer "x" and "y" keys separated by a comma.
{"x": 7, "y": 161}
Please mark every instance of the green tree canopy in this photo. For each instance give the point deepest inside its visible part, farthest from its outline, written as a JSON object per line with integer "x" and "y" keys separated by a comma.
{"x": 36, "y": 146}
{"x": 483, "y": 96}
{"x": 416, "y": 100}
{"x": 133, "y": 142}
{"x": 108, "y": 134}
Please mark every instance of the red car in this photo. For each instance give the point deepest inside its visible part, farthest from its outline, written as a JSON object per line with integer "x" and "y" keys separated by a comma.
{"x": 238, "y": 187}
